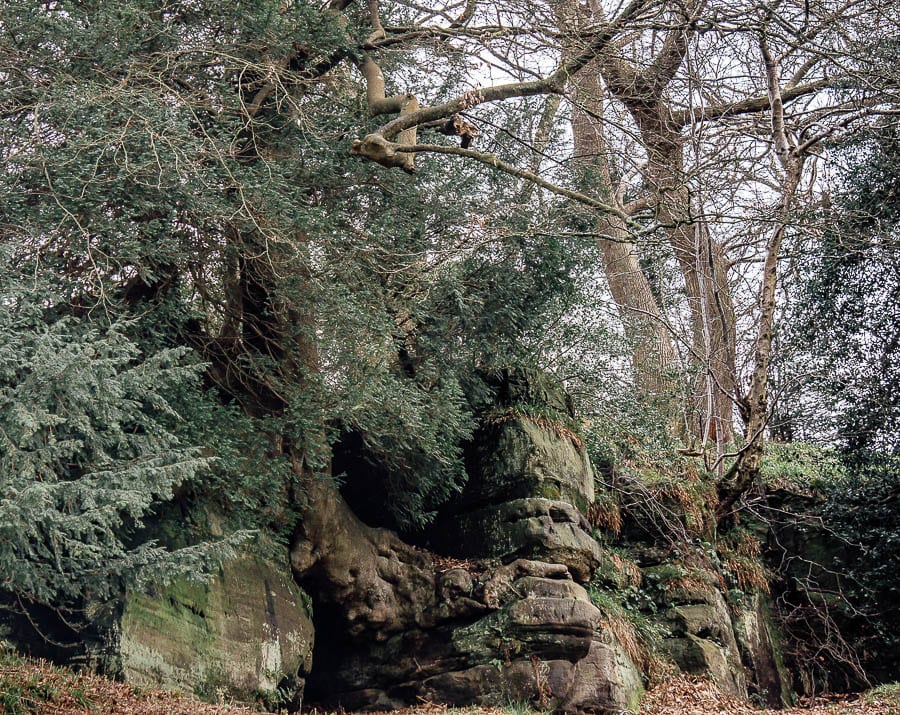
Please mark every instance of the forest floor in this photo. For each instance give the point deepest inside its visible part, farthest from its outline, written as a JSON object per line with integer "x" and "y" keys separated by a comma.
{"x": 36, "y": 688}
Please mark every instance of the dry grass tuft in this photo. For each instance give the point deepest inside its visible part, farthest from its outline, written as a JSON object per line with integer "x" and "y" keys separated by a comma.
{"x": 748, "y": 573}
{"x": 740, "y": 554}
{"x": 605, "y": 515}
{"x": 551, "y": 425}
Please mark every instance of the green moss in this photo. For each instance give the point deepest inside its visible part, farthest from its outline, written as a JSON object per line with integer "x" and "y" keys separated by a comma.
{"x": 580, "y": 502}
{"x": 616, "y": 571}
{"x": 217, "y": 639}
{"x": 664, "y": 573}
{"x": 214, "y": 685}
{"x": 485, "y": 636}
{"x": 179, "y": 611}
{"x": 548, "y": 490}
{"x": 775, "y": 638}
{"x": 634, "y": 700}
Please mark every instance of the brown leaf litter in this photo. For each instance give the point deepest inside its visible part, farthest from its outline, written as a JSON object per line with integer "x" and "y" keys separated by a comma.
{"x": 34, "y": 687}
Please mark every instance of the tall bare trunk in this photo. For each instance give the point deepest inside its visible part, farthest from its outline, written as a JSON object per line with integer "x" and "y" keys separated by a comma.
{"x": 745, "y": 469}
{"x": 653, "y": 356}
{"x": 701, "y": 261}
{"x": 642, "y": 89}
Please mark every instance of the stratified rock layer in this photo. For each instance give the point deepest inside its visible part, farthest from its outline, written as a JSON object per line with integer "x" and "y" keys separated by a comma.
{"x": 548, "y": 530}
{"x": 530, "y": 480}
{"x": 523, "y": 632}
{"x": 513, "y": 625}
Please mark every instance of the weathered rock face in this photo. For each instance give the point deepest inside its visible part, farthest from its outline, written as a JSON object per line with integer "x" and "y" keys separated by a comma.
{"x": 530, "y": 480}
{"x": 810, "y": 553}
{"x": 736, "y": 645}
{"x": 246, "y": 633}
{"x": 518, "y": 456}
{"x": 495, "y": 614}
{"x": 520, "y": 632}
{"x": 509, "y": 620}
{"x": 524, "y": 448}
{"x": 813, "y": 564}
{"x": 533, "y": 528}
{"x": 757, "y": 639}
{"x": 513, "y": 624}
{"x": 701, "y": 638}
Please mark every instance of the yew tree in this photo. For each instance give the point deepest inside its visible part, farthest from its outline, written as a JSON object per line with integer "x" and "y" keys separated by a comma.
{"x": 205, "y": 290}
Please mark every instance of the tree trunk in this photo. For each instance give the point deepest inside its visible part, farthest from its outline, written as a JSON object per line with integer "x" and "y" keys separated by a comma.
{"x": 745, "y": 470}
{"x": 703, "y": 267}
{"x": 701, "y": 260}
{"x": 653, "y": 356}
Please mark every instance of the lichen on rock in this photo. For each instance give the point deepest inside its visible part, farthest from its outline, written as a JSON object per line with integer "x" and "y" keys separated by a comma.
{"x": 245, "y": 632}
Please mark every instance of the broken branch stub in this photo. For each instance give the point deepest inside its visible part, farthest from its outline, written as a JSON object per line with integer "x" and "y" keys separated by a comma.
{"x": 379, "y": 103}
{"x": 378, "y": 149}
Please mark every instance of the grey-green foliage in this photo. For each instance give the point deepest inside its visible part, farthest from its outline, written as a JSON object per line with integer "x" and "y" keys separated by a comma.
{"x": 86, "y": 448}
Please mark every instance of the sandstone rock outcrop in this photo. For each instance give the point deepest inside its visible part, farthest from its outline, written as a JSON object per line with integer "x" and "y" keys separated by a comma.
{"x": 510, "y": 623}
{"x": 702, "y": 638}
{"x": 246, "y": 633}
{"x": 520, "y": 632}
{"x": 489, "y": 606}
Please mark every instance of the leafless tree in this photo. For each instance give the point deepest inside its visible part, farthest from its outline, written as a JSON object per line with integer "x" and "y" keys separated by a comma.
{"x": 696, "y": 122}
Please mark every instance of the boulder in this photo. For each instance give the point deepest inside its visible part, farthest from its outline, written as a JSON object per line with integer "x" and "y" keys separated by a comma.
{"x": 702, "y": 638}
{"x": 547, "y": 646}
{"x": 605, "y": 680}
{"x": 702, "y": 656}
{"x": 246, "y": 633}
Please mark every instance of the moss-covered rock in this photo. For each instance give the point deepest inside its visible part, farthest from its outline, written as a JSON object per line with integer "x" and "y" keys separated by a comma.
{"x": 548, "y": 646}
{"x": 701, "y": 638}
{"x": 527, "y": 445}
{"x": 515, "y": 456}
{"x": 758, "y": 641}
{"x": 539, "y": 640}
{"x": 705, "y": 657}
{"x": 246, "y": 632}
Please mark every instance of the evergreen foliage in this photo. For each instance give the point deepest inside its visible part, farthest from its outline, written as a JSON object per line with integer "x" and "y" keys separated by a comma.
{"x": 87, "y": 447}
{"x": 847, "y": 324}
{"x": 202, "y": 291}
{"x": 848, "y": 319}
{"x": 864, "y": 510}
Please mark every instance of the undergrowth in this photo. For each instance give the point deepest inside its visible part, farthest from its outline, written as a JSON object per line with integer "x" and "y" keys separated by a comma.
{"x": 25, "y": 690}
